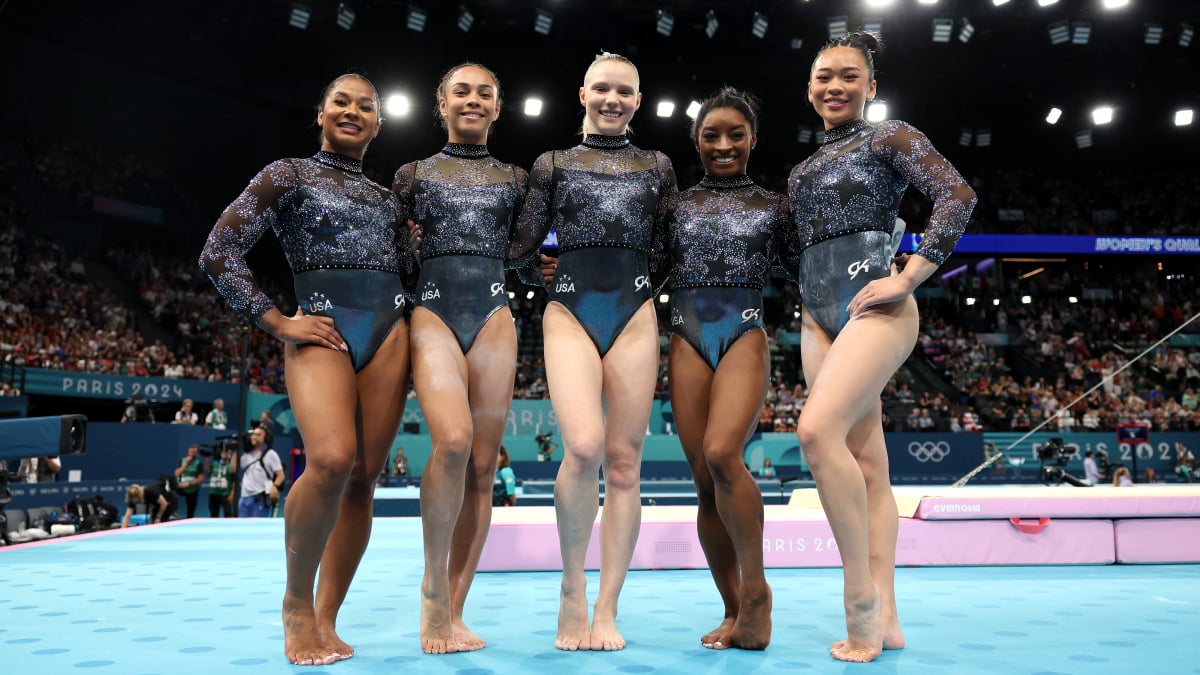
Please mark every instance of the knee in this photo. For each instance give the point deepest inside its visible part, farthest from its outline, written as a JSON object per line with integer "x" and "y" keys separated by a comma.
{"x": 622, "y": 473}
{"x": 329, "y": 470}
{"x": 453, "y": 447}
{"x": 583, "y": 456}
{"x": 723, "y": 461}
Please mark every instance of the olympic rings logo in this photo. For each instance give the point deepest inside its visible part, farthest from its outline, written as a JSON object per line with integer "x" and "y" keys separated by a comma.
{"x": 929, "y": 451}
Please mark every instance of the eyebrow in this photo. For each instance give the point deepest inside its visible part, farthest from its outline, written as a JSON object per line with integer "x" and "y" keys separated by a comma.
{"x": 712, "y": 128}
{"x": 361, "y": 98}
{"x": 828, "y": 69}
{"x": 468, "y": 85}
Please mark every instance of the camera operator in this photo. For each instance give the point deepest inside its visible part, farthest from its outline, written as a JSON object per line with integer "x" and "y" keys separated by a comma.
{"x": 40, "y": 469}
{"x": 189, "y": 475}
{"x": 546, "y": 447}
{"x": 262, "y": 478}
{"x": 222, "y": 476}
{"x": 1091, "y": 471}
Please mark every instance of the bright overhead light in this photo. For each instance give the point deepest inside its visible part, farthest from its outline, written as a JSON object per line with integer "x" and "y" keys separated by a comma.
{"x": 927, "y": 2}
{"x": 1186, "y": 32}
{"x": 543, "y": 22}
{"x": 300, "y": 15}
{"x": 1183, "y": 117}
{"x": 666, "y": 22}
{"x": 1047, "y": 3}
{"x": 1153, "y": 34}
{"x": 1072, "y": 299}
{"x": 965, "y": 136}
{"x": 664, "y": 298}
{"x": 533, "y": 107}
{"x": 1053, "y": 116}
{"x": 942, "y": 28}
{"x": 983, "y": 138}
{"x": 1102, "y": 115}
{"x": 837, "y": 26}
{"x": 995, "y": 302}
{"x": 397, "y": 105}
{"x": 416, "y": 19}
{"x": 998, "y": 3}
{"x": 345, "y": 16}
{"x": 970, "y": 301}
{"x": 529, "y": 295}
{"x": 1060, "y": 32}
{"x": 465, "y": 19}
{"x": 1115, "y": 4}
{"x": 1083, "y": 139}
{"x": 758, "y": 27}
{"x": 665, "y": 109}
{"x": 1081, "y": 31}
{"x": 966, "y": 31}
{"x": 693, "y": 109}
{"x": 1025, "y": 299}
{"x": 876, "y": 112}
{"x": 804, "y": 135}
{"x": 880, "y": 3}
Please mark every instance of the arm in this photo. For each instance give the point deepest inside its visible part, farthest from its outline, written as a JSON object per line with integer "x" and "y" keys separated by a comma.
{"x": 161, "y": 505}
{"x": 182, "y": 465}
{"x": 668, "y": 201}
{"x": 53, "y": 463}
{"x": 532, "y": 224}
{"x": 128, "y": 515}
{"x": 402, "y": 184}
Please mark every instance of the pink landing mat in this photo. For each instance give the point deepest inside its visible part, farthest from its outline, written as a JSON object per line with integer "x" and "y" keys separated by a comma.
{"x": 1157, "y": 540}
{"x": 1038, "y": 501}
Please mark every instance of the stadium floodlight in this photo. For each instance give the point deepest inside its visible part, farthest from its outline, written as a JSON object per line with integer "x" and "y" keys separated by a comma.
{"x": 873, "y": 24}
{"x": 1183, "y": 117}
{"x": 880, "y": 3}
{"x": 533, "y": 107}
{"x": 1072, "y": 299}
{"x": 942, "y": 28}
{"x": 966, "y": 30}
{"x": 1053, "y": 116}
{"x": 693, "y": 109}
{"x": 465, "y": 19}
{"x": 1153, "y": 34}
{"x": 711, "y": 24}
{"x": 804, "y": 135}
{"x": 1000, "y": 3}
{"x": 1047, "y": 3}
{"x": 1102, "y": 115}
{"x": 1115, "y": 4}
{"x": 970, "y": 302}
{"x": 983, "y": 138}
{"x": 927, "y": 2}
{"x": 819, "y": 137}
{"x": 529, "y": 295}
{"x": 797, "y": 43}
{"x": 758, "y": 27}
{"x": 300, "y": 15}
{"x": 397, "y": 105}
{"x": 416, "y": 19}
{"x": 665, "y": 23}
{"x": 995, "y": 302}
{"x": 664, "y": 298}
{"x": 1185, "y": 34}
{"x": 345, "y": 16}
{"x": 1081, "y": 32}
{"x": 542, "y": 22}
{"x": 665, "y": 108}
{"x": 1026, "y": 299}
{"x": 1083, "y": 139}
{"x": 1060, "y": 32}
{"x": 965, "y": 136}
{"x": 837, "y": 26}
{"x": 876, "y": 112}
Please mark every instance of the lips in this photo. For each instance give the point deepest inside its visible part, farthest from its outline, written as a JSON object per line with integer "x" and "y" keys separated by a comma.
{"x": 349, "y": 127}
{"x": 610, "y": 113}
{"x": 724, "y": 160}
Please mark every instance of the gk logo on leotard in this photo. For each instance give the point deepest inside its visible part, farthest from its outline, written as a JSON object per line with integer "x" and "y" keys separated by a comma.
{"x": 431, "y": 291}
{"x": 399, "y": 300}
{"x": 751, "y": 314}
{"x": 565, "y": 284}
{"x": 929, "y": 451}
{"x": 641, "y": 282}
{"x": 317, "y": 302}
{"x": 497, "y": 289}
{"x": 859, "y": 266}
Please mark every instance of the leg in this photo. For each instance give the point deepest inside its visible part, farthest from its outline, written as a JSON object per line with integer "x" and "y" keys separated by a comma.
{"x": 381, "y": 386}
{"x": 691, "y": 380}
{"x": 491, "y": 365}
{"x": 630, "y": 369}
{"x": 573, "y": 373}
{"x": 440, "y": 379}
{"x": 738, "y": 391}
{"x": 324, "y": 397}
{"x": 846, "y": 377}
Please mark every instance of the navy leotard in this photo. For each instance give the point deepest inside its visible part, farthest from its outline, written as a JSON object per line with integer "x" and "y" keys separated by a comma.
{"x": 606, "y": 199}
{"x": 844, "y": 200}
{"x": 466, "y": 202}
{"x": 723, "y": 237}
{"x": 342, "y": 238}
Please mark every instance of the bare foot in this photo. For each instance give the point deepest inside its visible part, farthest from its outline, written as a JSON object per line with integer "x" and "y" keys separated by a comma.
{"x": 864, "y": 640}
{"x": 605, "y": 636}
{"x": 752, "y": 630}
{"x": 437, "y": 633}
{"x": 893, "y": 636}
{"x": 467, "y": 640}
{"x": 718, "y": 638}
{"x": 302, "y": 644}
{"x": 573, "y": 633}
{"x": 330, "y": 639}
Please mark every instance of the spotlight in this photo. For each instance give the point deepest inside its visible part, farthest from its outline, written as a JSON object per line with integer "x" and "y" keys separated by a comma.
{"x": 983, "y": 138}
{"x": 1025, "y": 299}
{"x": 1072, "y": 299}
{"x": 999, "y": 3}
{"x": 1060, "y": 32}
{"x": 819, "y": 137}
{"x": 879, "y": 3}
{"x": 873, "y": 24}
{"x": 543, "y": 22}
{"x": 797, "y": 43}
{"x": 664, "y": 298}
{"x": 970, "y": 302}
{"x": 529, "y": 295}
{"x": 345, "y": 16}
{"x": 876, "y": 112}
{"x": 533, "y": 107}
{"x": 416, "y": 19}
{"x": 758, "y": 28}
{"x": 1153, "y": 34}
{"x": 1185, "y": 34}
{"x": 693, "y": 109}
{"x": 927, "y": 2}
{"x": 837, "y": 26}
{"x": 465, "y": 19}
{"x": 665, "y": 109}
{"x": 964, "y": 137}
{"x": 1115, "y": 4}
{"x": 1081, "y": 31}
{"x": 666, "y": 22}
{"x": 1183, "y": 117}
{"x": 511, "y": 295}
{"x": 397, "y": 105}
{"x": 1053, "y": 116}
{"x": 942, "y": 29}
{"x": 1102, "y": 115}
{"x": 1083, "y": 139}
{"x": 711, "y": 24}
{"x": 804, "y": 135}
{"x": 1047, "y": 3}
{"x": 966, "y": 30}
{"x": 300, "y": 16}
{"x": 995, "y": 302}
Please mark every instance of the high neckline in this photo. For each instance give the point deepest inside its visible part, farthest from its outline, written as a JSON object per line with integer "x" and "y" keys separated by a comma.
{"x": 725, "y": 182}
{"x": 845, "y": 131}
{"x": 340, "y": 162}
{"x": 467, "y": 150}
{"x": 606, "y": 142}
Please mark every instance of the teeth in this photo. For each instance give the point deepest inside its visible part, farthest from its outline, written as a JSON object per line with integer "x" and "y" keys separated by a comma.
{"x": 723, "y": 160}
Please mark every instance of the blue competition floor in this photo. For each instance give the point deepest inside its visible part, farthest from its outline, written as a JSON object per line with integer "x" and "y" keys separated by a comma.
{"x": 203, "y": 597}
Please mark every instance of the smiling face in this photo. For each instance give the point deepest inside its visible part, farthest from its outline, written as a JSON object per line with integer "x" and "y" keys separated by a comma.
{"x": 610, "y": 97}
{"x": 725, "y": 140}
{"x": 840, "y": 86}
{"x": 469, "y": 103}
{"x": 349, "y": 117}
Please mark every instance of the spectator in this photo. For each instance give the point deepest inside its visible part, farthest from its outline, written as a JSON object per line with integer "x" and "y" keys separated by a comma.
{"x": 186, "y": 415}
{"x": 217, "y": 418}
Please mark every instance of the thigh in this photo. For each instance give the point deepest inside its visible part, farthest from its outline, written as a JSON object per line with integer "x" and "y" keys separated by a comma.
{"x": 691, "y": 380}
{"x": 323, "y": 394}
{"x": 439, "y": 375}
{"x": 739, "y": 388}
{"x": 382, "y": 393}
{"x": 574, "y": 376}
{"x": 492, "y": 369}
{"x": 630, "y": 369}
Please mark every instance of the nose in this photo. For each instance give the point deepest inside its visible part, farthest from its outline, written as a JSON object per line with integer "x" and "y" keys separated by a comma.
{"x": 723, "y": 143}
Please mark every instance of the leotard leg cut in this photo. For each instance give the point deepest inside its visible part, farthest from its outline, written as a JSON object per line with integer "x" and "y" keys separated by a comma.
{"x": 365, "y": 305}
{"x": 464, "y": 291}
{"x": 601, "y": 300}
{"x": 833, "y": 271}
{"x": 712, "y": 318}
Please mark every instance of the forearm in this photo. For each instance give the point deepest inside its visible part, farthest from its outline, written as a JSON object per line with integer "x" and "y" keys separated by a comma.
{"x": 916, "y": 270}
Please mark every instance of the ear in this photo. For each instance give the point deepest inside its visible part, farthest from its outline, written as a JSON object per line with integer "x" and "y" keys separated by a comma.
{"x": 442, "y": 106}
{"x": 582, "y": 100}
{"x": 496, "y": 115}
{"x": 808, "y": 94}
{"x": 753, "y": 140}
{"x": 321, "y": 116}
{"x": 871, "y": 90}
{"x": 638, "y": 105}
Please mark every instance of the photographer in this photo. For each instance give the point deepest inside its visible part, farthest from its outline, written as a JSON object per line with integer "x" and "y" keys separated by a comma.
{"x": 160, "y": 503}
{"x": 546, "y": 447}
{"x": 262, "y": 479}
{"x": 190, "y": 475}
{"x": 223, "y": 474}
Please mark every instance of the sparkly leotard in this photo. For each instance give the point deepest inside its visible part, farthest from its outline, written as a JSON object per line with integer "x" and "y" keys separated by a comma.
{"x": 342, "y": 238}
{"x": 465, "y": 201}
{"x": 844, "y": 200}
{"x": 723, "y": 237}
{"x": 606, "y": 199}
